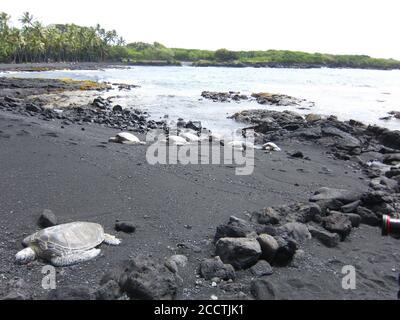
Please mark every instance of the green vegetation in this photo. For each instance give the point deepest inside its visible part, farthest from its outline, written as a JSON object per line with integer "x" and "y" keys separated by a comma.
{"x": 284, "y": 58}
{"x": 297, "y": 57}
{"x": 139, "y": 51}
{"x": 34, "y": 42}
{"x": 62, "y": 42}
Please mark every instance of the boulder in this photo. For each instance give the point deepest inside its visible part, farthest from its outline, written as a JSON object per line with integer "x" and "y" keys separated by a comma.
{"x": 47, "y": 219}
{"x": 235, "y": 228}
{"x": 305, "y": 213}
{"x": 125, "y": 226}
{"x": 390, "y": 139}
{"x": 351, "y": 207}
{"x": 297, "y": 154}
{"x": 241, "y": 253}
{"x": 368, "y": 217}
{"x": 342, "y": 195}
{"x": 101, "y": 103}
{"x": 269, "y": 246}
{"x": 145, "y": 279}
{"x": 355, "y": 219}
{"x": 175, "y": 262}
{"x": 286, "y": 249}
{"x": 374, "y": 197}
{"x": 267, "y": 216}
{"x": 262, "y": 268}
{"x": 215, "y": 268}
{"x": 338, "y": 223}
{"x": 117, "y": 108}
{"x": 312, "y": 117}
{"x": 297, "y": 231}
{"x": 328, "y": 239}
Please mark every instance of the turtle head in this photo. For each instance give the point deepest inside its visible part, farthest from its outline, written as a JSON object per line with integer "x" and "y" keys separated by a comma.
{"x": 25, "y": 256}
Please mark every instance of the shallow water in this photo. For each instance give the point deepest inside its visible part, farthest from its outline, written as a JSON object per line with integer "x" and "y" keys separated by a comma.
{"x": 364, "y": 95}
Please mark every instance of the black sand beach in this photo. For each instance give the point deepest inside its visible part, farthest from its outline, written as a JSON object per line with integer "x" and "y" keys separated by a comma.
{"x": 73, "y": 171}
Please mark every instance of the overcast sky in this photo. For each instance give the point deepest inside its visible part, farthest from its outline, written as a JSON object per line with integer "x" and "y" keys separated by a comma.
{"x": 329, "y": 26}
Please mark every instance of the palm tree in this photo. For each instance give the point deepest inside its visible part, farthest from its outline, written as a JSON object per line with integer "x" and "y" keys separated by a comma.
{"x": 35, "y": 42}
{"x": 26, "y": 19}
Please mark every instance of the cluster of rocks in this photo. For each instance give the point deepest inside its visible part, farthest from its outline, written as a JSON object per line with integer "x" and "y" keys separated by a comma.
{"x": 100, "y": 111}
{"x": 23, "y": 87}
{"x": 125, "y": 87}
{"x": 224, "y": 96}
{"x": 263, "y": 98}
{"x": 344, "y": 138}
{"x": 192, "y": 125}
{"x": 273, "y": 237}
{"x": 279, "y": 99}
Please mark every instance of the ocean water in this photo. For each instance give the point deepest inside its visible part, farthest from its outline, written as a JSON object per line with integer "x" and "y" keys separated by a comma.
{"x": 364, "y": 95}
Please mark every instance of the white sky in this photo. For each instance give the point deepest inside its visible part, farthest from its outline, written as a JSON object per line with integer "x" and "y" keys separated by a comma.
{"x": 329, "y": 26}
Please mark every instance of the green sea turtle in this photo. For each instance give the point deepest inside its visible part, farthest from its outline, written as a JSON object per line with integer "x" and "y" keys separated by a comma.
{"x": 173, "y": 140}
{"x": 270, "y": 146}
{"x": 65, "y": 244}
{"x": 126, "y": 138}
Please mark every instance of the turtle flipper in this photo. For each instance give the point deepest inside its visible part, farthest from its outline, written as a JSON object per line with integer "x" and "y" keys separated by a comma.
{"x": 74, "y": 258}
{"x": 111, "y": 240}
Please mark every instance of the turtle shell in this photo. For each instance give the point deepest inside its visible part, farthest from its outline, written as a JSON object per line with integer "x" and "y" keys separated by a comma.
{"x": 67, "y": 238}
{"x": 127, "y": 137}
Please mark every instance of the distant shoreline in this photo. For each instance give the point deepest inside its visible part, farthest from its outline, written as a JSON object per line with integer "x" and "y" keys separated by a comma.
{"x": 52, "y": 66}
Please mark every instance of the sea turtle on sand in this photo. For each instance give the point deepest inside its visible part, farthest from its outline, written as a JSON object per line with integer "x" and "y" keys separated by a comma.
{"x": 270, "y": 146}
{"x": 175, "y": 141}
{"x": 65, "y": 244}
{"x": 126, "y": 138}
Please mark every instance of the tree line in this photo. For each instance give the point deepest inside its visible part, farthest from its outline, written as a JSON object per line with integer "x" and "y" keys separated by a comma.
{"x": 34, "y": 42}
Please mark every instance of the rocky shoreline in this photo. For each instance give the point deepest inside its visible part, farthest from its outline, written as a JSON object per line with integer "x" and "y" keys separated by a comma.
{"x": 285, "y": 232}
{"x": 262, "y": 98}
